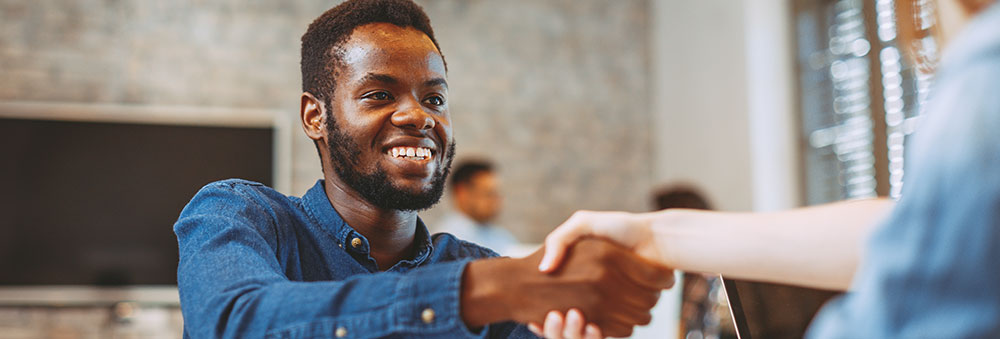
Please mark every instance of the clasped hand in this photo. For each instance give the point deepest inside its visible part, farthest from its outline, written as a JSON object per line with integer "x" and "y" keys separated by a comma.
{"x": 613, "y": 285}
{"x": 629, "y": 230}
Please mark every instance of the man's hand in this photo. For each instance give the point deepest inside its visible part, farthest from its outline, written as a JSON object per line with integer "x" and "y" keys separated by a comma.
{"x": 612, "y": 286}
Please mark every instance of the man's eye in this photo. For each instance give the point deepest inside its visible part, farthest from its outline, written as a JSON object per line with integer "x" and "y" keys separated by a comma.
{"x": 435, "y": 100}
{"x": 379, "y": 96}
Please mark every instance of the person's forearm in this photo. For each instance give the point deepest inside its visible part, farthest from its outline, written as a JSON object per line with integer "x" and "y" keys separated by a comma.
{"x": 481, "y": 299}
{"x": 816, "y": 247}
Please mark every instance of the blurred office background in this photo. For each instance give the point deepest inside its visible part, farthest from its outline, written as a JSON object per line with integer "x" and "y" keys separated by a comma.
{"x": 583, "y": 104}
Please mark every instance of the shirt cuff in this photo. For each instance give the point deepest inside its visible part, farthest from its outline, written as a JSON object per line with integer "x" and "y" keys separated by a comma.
{"x": 430, "y": 302}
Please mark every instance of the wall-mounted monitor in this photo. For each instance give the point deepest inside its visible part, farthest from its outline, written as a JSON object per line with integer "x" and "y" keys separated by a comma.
{"x": 90, "y": 192}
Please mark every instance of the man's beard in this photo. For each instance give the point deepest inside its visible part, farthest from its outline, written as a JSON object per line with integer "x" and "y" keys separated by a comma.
{"x": 375, "y": 187}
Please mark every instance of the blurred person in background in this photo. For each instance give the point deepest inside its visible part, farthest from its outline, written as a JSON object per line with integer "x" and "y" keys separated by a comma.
{"x": 476, "y": 197}
{"x": 704, "y": 307}
{"x": 924, "y": 267}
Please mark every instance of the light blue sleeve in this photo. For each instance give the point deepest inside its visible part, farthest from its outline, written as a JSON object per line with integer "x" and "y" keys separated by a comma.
{"x": 932, "y": 270}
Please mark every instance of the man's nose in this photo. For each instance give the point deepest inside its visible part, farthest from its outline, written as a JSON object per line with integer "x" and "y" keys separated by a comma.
{"x": 412, "y": 115}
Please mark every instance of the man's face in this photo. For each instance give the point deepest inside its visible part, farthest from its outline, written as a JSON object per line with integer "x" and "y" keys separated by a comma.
{"x": 390, "y": 139}
{"x": 480, "y": 197}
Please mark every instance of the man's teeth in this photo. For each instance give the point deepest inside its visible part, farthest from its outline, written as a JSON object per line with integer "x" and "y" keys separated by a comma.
{"x": 414, "y": 153}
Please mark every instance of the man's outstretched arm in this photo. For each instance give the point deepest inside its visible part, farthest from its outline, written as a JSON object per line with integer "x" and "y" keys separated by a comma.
{"x": 232, "y": 285}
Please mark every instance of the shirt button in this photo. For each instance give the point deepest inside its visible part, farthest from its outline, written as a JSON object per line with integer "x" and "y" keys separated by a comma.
{"x": 356, "y": 242}
{"x": 341, "y": 332}
{"x": 427, "y": 315}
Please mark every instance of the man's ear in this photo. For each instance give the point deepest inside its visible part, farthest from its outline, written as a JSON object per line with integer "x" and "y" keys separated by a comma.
{"x": 312, "y": 111}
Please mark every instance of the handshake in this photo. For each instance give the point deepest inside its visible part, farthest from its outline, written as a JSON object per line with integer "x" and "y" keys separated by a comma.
{"x": 609, "y": 286}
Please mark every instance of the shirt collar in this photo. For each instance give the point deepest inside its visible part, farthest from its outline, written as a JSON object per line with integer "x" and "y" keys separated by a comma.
{"x": 321, "y": 210}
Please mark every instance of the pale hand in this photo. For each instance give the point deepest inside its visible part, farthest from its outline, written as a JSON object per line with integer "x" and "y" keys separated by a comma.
{"x": 631, "y": 230}
{"x": 572, "y": 327}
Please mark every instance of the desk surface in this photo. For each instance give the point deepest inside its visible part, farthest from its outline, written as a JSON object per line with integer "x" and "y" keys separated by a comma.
{"x": 67, "y": 296}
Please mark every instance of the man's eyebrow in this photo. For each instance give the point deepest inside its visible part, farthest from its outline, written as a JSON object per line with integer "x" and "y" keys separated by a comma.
{"x": 383, "y": 78}
{"x": 388, "y": 79}
{"x": 436, "y": 82}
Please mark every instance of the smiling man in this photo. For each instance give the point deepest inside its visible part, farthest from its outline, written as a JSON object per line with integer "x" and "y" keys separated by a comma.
{"x": 351, "y": 258}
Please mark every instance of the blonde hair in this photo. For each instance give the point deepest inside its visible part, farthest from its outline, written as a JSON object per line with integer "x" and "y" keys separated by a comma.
{"x": 976, "y": 6}
{"x": 916, "y": 24}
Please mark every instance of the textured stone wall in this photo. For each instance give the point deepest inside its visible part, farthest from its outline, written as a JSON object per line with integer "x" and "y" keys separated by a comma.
{"x": 554, "y": 91}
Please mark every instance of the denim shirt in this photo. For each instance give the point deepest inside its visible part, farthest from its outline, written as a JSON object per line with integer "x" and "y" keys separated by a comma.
{"x": 932, "y": 269}
{"x": 256, "y": 263}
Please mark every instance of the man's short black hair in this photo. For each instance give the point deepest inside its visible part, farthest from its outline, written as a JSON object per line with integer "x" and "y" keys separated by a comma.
{"x": 320, "y": 43}
{"x": 465, "y": 170}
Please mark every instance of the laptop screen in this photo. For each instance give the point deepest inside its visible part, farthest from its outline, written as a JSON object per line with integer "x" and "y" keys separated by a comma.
{"x": 765, "y": 310}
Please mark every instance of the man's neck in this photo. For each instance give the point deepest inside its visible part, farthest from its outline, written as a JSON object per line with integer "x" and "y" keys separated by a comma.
{"x": 390, "y": 233}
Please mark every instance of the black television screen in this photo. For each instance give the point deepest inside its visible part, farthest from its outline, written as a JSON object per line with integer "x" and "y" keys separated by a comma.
{"x": 94, "y": 203}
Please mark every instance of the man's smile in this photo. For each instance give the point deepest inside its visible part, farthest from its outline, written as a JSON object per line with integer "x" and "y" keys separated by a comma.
{"x": 413, "y": 158}
{"x": 410, "y": 153}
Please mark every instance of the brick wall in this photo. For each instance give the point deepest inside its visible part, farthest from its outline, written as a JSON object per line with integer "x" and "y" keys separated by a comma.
{"x": 554, "y": 91}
